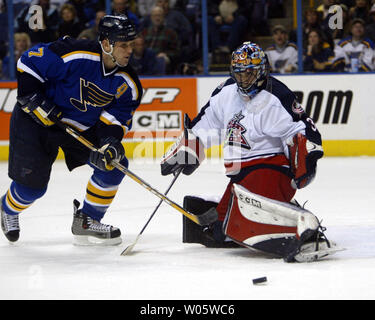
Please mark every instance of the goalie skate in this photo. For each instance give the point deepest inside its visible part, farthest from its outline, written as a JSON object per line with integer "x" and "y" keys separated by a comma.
{"x": 314, "y": 250}
{"x": 88, "y": 231}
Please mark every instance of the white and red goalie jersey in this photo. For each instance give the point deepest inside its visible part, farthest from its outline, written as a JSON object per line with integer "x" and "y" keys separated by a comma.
{"x": 260, "y": 131}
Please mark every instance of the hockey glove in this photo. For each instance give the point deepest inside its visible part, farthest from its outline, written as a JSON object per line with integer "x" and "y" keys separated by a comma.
{"x": 187, "y": 153}
{"x": 111, "y": 150}
{"x": 40, "y": 109}
{"x": 303, "y": 156}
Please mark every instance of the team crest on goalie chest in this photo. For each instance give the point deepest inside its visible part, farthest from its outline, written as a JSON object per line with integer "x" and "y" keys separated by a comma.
{"x": 92, "y": 95}
{"x": 235, "y": 132}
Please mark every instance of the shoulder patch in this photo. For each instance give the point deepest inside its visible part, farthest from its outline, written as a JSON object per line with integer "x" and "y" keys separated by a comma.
{"x": 132, "y": 80}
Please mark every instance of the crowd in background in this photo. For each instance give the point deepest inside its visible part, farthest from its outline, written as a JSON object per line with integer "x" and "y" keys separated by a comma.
{"x": 170, "y": 37}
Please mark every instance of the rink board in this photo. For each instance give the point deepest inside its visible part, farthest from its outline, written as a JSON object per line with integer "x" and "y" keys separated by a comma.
{"x": 341, "y": 106}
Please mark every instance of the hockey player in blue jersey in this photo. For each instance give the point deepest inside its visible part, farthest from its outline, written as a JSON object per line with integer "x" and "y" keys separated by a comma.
{"x": 87, "y": 85}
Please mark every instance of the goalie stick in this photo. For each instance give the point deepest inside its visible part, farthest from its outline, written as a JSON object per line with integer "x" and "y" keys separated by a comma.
{"x": 130, "y": 247}
{"x": 202, "y": 219}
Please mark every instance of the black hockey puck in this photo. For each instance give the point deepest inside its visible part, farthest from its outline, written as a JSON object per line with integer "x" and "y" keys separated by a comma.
{"x": 261, "y": 280}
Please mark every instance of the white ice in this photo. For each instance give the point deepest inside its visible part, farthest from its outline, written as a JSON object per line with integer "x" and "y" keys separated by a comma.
{"x": 44, "y": 264}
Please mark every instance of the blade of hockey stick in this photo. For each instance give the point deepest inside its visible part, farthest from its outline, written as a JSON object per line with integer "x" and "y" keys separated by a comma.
{"x": 129, "y": 248}
{"x": 202, "y": 219}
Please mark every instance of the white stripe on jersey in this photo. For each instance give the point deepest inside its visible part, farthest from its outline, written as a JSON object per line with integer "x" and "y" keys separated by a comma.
{"x": 74, "y": 124}
{"x": 26, "y": 69}
{"x": 80, "y": 55}
{"x": 110, "y": 118}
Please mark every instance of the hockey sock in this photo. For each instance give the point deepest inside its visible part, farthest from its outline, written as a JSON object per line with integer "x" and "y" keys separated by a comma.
{"x": 19, "y": 198}
{"x": 99, "y": 196}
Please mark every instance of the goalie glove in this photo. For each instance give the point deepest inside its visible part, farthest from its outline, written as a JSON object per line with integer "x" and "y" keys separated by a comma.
{"x": 303, "y": 156}
{"x": 187, "y": 153}
{"x": 40, "y": 109}
{"x": 111, "y": 150}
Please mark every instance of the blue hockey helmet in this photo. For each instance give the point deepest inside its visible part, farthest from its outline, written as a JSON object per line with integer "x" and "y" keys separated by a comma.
{"x": 116, "y": 28}
{"x": 249, "y": 68}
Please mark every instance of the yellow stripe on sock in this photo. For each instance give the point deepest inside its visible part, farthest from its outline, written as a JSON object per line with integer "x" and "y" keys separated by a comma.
{"x": 101, "y": 192}
{"x": 97, "y": 200}
{"x": 14, "y": 205}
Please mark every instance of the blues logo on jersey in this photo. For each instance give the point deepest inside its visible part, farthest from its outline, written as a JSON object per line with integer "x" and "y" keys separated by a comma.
{"x": 91, "y": 95}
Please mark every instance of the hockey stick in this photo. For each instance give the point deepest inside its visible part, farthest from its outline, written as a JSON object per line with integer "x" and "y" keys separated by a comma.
{"x": 129, "y": 248}
{"x": 202, "y": 219}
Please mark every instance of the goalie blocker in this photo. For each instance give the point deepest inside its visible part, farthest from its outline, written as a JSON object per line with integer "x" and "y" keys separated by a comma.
{"x": 283, "y": 229}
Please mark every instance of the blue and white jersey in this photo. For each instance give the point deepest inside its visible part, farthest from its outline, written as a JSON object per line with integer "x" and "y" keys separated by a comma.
{"x": 73, "y": 77}
{"x": 355, "y": 55}
{"x": 253, "y": 130}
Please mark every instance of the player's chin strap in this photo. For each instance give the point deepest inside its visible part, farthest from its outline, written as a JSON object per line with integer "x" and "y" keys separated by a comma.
{"x": 111, "y": 55}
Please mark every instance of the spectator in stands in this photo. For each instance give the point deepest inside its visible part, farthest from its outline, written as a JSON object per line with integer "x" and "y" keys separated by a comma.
{"x": 22, "y": 43}
{"x": 85, "y": 10}
{"x": 370, "y": 28}
{"x": 257, "y": 12}
{"x": 144, "y": 7}
{"x": 227, "y": 27}
{"x": 42, "y": 31}
{"x": 354, "y": 53}
{"x": 163, "y": 40}
{"x": 360, "y": 10}
{"x": 144, "y": 60}
{"x": 319, "y": 55}
{"x": 176, "y": 20}
{"x": 189, "y": 69}
{"x": 282, "y": 55}
{"x": 312, "y": 21}
{"x": 69, "y": 25}
{"x": 122, "y": 7}
{"x": 92, "y": 33}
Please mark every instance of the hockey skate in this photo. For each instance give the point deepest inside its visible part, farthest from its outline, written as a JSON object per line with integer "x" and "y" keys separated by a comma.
{"x": 88, "y": 231}
{"x": 9, "y": 224}
{"x": 312, "y": 246}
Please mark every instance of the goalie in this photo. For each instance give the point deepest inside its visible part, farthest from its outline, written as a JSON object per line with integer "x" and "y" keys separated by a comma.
{"x": 271, "y": 148}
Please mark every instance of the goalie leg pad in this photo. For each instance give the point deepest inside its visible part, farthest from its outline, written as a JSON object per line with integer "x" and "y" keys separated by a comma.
{"x": 267, "y": 182}
{"x": 268, "y": 225}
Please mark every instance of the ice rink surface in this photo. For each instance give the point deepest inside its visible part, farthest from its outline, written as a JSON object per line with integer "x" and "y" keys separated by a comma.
{"x": 44, "y": 264}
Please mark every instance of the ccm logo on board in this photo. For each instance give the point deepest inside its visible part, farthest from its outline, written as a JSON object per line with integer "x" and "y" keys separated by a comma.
{"x": 157, "y": 120}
